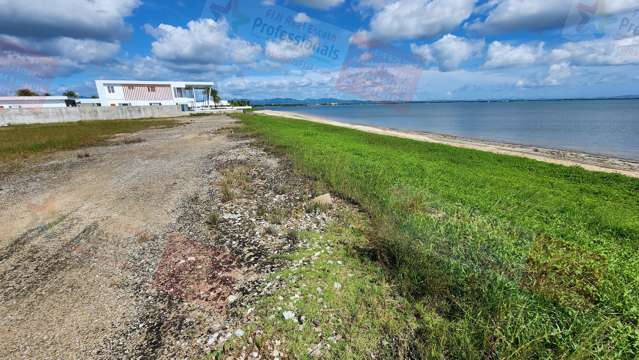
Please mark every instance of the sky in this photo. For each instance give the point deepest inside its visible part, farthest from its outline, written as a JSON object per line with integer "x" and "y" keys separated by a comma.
{"x": 347, "y": 49}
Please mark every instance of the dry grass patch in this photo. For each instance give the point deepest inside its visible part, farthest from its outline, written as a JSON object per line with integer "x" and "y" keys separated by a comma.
{"x": 234, "y": 181}
{"x": 564, "y": 273}
{"x": 19, "y": 142}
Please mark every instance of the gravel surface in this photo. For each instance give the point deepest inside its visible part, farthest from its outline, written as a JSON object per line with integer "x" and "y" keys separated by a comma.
{"x": 135, "y": 250}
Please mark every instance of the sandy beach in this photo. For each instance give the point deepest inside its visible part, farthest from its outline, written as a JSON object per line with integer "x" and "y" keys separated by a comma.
{"x": 592, "y": 162}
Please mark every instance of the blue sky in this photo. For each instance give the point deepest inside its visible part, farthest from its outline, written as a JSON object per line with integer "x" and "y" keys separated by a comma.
{"x": 349, "y": 49}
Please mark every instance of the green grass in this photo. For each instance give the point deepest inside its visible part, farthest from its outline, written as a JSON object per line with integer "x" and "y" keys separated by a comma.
{"x": 343, "y": 306}
{"x": 19, "y": 142}
{"x": 503, "y": 257}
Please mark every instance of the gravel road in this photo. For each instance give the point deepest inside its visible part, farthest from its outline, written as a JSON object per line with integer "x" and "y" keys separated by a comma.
{"x": 87, "y": 245}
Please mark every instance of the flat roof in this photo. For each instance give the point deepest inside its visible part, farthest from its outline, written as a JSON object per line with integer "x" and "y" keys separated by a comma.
{"x": 20, "y": 98}
{"x": 145, "y": 82}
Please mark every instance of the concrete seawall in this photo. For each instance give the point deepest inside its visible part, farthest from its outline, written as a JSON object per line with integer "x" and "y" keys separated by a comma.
{"x": 56, "y": 115}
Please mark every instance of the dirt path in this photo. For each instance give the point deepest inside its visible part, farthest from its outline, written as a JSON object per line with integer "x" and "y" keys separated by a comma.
{"x": 590, "y": 162}
{"x": 82, "y": 241}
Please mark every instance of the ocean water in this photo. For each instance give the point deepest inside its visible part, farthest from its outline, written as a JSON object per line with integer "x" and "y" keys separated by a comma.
{"x": 608, "y": 127}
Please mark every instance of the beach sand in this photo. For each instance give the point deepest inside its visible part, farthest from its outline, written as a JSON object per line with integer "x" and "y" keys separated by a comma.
{"x": 592, "y": 162}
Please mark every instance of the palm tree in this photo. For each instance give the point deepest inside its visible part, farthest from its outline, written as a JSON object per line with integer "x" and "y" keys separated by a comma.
{"x": 216, "y": 97}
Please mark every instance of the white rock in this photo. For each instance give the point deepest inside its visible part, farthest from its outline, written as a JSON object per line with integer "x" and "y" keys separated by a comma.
{"x": 337, "y": 286}
{"x": 288, "y": 315}
{"x": 315, "y": 351}
{"x": 325, "y": 199}
{"x": 212, "y": 339}
{"x": 239, "y": 332}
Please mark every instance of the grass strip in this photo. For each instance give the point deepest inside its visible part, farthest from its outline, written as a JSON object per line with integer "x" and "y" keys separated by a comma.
{"x": 503, "y": 257}
{"x": 19, "y": 142}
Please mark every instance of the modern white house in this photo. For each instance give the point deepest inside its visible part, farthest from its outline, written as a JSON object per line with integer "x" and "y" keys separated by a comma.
{"x": 33, "y": 102}
{"x": 194, "y": 95}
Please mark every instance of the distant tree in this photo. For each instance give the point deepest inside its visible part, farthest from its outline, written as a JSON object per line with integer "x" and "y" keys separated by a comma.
{"x": 94, "y": 97}
{"x": 216, "y": 97}
{"x": 240, "y": 103}
{"x": 71, "y": 94}
{"x": 46, "y": 94}
{"x": 26, "y": 92}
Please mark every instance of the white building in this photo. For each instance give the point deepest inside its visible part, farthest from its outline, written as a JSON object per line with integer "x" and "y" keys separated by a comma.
{"x": 32, "y": 102}
{"x": 194, "y": 95}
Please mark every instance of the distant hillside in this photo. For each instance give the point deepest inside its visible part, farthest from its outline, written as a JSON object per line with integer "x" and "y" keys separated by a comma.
{"x": 303, "y": 102}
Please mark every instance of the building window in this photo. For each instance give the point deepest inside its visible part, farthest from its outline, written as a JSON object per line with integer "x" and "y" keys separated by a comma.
{"x": 151, "y": 88}
{"x": 179, "y": 92}
{"x": 111, "y": 89}
{"x": 131, "y": 87}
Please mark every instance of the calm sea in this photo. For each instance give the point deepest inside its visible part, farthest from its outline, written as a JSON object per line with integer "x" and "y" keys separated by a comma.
{"x": 609, "y": 127}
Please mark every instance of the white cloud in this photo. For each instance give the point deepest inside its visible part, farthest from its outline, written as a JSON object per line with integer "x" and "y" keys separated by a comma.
{"x": 373, "y": 4}
{"x": 203, "y": 41}
{"x": 425, "y": 52}
{"x": 368, "y": 7}
{"x": 56, "y": 57}
{"x": 320, "y": 4}
{"x": 361, "y": 38}
{"x": 414, "y": 19}
{"x": 151, "y": 68}
{"x": 449, "y": 52}
{"x": 302, "y": 18}
{"x": 534, "y": 15}
{"x": 505, "y": 55}
{"x": 557, "y": 74}
{"x": 60, "y": 36}
{"x": 598, "y": 52}
{"x": 80, "y": 19}
{"x": 305, "y": 84}
{"x": 287, "y": 50}
{"x": 366, "y": 57}
{"x": 82, "y": 51}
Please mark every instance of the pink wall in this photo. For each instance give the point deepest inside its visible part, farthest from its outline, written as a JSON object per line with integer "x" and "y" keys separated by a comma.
{"x": 142, "y": 93}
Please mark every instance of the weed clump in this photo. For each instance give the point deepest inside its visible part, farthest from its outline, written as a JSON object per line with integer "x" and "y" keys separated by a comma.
{"x": 234, "y": 181}
{"x": 213, "y": 219}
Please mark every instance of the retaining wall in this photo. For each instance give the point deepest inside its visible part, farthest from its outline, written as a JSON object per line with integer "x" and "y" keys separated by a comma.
{"x": 55, "y": 115}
